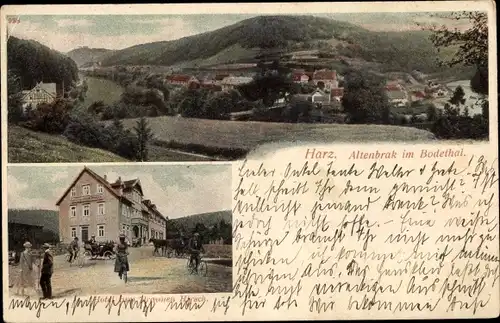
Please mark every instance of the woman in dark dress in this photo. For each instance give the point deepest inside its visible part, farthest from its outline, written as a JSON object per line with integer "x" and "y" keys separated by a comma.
{"x": 121, "y": 250}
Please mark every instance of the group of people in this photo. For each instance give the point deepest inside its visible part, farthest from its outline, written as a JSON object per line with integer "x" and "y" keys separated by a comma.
{"x": 27, "y": 263}
{"x": 46, "y": 269}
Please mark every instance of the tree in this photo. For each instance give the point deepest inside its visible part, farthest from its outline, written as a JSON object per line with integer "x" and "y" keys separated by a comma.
{"x": 432, "y": 113}
{"x": 471, "y": 49}
{"x": 144, "y": 136}
{"x": 458, "y": 97}
{"x": 364, "y": 98}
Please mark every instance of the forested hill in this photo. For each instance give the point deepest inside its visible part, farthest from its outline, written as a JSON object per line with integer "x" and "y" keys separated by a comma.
{"x": 84, "y": 56}
{"x": 49, "y": 219}
{"x": 245, "y": 40}
{"x": 30, "y": 62}
{"x": 188, "y": 223}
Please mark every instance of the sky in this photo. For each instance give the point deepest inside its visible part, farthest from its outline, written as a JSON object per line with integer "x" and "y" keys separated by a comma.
{"x": 177, "y": 190}
{"x": 64, "y": 33}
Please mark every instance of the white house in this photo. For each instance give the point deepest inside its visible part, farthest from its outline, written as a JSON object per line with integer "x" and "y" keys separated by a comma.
{"x": 40, "y": 93}
{"x": 320, "y": 96}
{"x": 230, "y": 82}
{"x": 327, "y": 78}
{"x": 300, "y": 78}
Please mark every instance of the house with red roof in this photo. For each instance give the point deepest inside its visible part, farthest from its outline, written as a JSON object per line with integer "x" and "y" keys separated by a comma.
{"x": 328, "y": 78}
{"x": 181, "y": 79}
{"x": 300, "y": 77}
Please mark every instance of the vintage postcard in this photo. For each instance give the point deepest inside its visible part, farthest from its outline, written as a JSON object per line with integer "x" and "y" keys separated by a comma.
{"x": 263, "y": 161}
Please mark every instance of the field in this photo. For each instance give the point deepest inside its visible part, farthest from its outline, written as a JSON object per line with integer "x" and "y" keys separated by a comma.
{"x": 218, "y": 250}
{"x": 248, "y": 135}
{"x": 100, "y": 89}
{"x": 25, "y": 146}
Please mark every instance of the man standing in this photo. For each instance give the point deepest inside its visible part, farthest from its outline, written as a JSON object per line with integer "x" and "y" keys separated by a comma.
{"x": 47, "y": 270}
{"x": 195, "y": 248}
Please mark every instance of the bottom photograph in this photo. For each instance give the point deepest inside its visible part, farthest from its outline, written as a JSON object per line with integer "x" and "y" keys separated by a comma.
{"x": 120, "y": 229}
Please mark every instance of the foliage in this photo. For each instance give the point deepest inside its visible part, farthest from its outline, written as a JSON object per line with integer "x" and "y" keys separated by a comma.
{"x": 211, "y": 226}
{"x": 86, "y": 131}
{"x": 458, "y": 97}
{"x": 471, "y": 49}
{"x": 144, "y": 136}
{"x": 34, "y": 62}
{"x": 364, "y": 98}
{"x": 50, "y": 117}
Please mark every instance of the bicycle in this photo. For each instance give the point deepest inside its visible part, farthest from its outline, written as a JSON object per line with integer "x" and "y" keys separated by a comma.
{"x": 123, "y": 271}
{"x": 202, "y": 267}
{"x": 79, "y": 259}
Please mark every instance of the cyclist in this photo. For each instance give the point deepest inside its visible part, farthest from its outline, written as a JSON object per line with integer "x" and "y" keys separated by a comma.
{"x": 121, "y": 250}
{"x": 73, "y": 249}
{"x": 195, "y": 248}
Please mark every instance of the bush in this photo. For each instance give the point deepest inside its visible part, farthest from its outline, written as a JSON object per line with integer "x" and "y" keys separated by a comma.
{"x": 87, "y": 132}
{"x": 50, "y": 118}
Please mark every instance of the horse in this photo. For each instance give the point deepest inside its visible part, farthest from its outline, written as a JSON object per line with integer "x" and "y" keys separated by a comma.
{"x": 177, "y": 245}
{"x": 159, "y": 244}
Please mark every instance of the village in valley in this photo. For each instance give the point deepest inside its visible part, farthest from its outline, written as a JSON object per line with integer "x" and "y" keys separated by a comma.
{"x": 195, "y": 106}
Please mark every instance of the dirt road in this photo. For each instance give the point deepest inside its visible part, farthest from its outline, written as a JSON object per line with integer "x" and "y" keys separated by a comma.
{"x": 148, "y": 275}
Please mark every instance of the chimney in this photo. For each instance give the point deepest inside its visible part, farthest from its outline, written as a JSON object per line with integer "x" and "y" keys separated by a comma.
{"x": 105, "y": 178}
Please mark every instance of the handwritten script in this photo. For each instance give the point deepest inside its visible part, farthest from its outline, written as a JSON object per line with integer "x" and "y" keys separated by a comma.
{"x": 367, "y": 233}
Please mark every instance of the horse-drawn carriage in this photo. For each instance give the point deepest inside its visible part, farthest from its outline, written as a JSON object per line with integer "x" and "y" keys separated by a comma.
{"x": 105, "y": 250}
{"x": 169, "y": 247}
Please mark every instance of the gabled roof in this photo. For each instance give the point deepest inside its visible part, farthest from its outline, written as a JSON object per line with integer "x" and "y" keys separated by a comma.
{"x": 130, "y": 184}
{"x": 298, "y": 76}
{"x": 179, "y": 78}
{"x": 96, "y": 177}
{"x": 150, "y": 206}
{"x": 325, "y": 75}
{"x": 48, "y": 88}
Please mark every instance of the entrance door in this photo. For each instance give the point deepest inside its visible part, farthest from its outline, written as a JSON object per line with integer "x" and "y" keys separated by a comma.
{"x": 136, "y": 231}
{"x": 85, "y": 234}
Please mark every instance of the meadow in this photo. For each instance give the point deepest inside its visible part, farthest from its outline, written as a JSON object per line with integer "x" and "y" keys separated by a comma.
{"x": 26, "y": 146}
{"x": 249, "y": 134}
{"x": 100, "y": 89}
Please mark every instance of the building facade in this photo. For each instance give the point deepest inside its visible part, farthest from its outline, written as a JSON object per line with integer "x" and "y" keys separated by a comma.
{"x": 40, "y": 93}
{"x": 94, "y": 206}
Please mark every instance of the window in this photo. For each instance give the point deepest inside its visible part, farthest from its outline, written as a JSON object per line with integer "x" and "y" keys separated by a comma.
{"x": 86, "y": 189}
{"x": 100, "y": 209}
{"x": 86, "y": 210}
{"x": 124, "y": 227}
{"x": 100, "y": 189}
{"x": 72, "y": 210}
{"x": 156, "y": 233}
{"x": 73, "y": 232}
{"x": 73, "y": 192}
{"x": 124, "y": 210}
{"x": 100, "y": 231}
{"x": 128, "y": 229}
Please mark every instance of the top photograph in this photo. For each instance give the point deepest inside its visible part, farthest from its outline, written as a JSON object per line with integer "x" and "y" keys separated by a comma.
{"x": 214, "y": 87}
